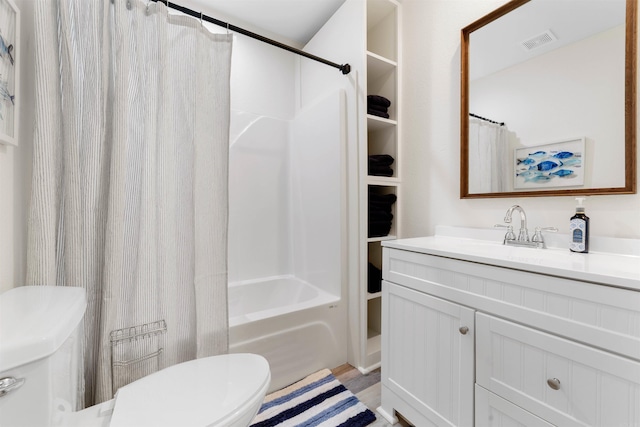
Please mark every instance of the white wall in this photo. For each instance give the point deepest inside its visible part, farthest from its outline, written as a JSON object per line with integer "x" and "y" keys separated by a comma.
{"x": 431, "y": 108}
{"x": 15, "y": 166}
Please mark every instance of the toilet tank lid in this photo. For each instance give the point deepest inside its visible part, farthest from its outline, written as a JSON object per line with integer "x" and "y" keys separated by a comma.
{"x": 36, "y": 320}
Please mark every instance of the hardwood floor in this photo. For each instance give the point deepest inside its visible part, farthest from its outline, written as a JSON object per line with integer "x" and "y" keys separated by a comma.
{"x": 366, "y": 388}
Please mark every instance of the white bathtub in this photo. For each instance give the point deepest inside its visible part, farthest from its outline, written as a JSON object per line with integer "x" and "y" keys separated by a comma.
{"x": 296, "y": 326}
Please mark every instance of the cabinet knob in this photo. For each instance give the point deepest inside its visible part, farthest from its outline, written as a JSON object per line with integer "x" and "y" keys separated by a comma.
{"x": 554, "y": 383}
{"x": 9, "y": 384}
{"x": 463, "y": 330}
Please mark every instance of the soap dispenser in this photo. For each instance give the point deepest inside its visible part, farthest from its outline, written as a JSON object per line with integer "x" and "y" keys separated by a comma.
{"x": 579, "y": 229}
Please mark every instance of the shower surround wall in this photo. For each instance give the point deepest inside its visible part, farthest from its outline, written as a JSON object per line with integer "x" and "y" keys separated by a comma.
{"x": 286, "y": 173}
{"x": 259, "y": 198}
{"x": 286, "y": 210}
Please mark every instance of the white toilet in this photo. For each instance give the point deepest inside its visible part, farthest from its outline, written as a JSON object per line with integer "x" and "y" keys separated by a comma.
{"x": 40, "y": 348}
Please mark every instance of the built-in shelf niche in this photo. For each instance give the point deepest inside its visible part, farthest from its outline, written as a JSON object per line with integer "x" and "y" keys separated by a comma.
{"x": 382, "y": 139}
{"x": 382, "y": 81}
{"x": 382, "y": 190}
{"x": 373, "y": 323}
{"x": 382, "y": 28}
{"x": 374, "y": 254}
{"x": 374, "y": 326}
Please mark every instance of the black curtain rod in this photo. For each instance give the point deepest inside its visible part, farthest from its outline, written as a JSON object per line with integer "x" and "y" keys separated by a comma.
{"x": 486, "y": 120}
{"x": 344, "y": 68}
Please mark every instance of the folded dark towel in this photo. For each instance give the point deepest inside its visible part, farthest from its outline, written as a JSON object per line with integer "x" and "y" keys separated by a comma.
{"x": 379, "y": 108}
{"x": 378, "y": 113}
{"x": 381, "y": 159}
{"x": 378, "y": 100}
{"x": 374, "y": 279}
{"x": 380, "y": 171}
{"x": 384, "y": 199}
{"x": 383, "y": 208}
{"x": 379, "y": 215}
{"x": 379, "y": 228}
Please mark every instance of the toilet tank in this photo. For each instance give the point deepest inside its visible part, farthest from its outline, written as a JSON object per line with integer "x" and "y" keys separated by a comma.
{"x": 41, "y": 349}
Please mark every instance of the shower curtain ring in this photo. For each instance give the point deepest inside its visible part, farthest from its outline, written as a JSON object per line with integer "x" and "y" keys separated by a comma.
{"x": 201, "y": 18}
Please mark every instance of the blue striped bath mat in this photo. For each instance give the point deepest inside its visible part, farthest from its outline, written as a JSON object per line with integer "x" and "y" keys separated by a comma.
{"x": 318, "y": 400}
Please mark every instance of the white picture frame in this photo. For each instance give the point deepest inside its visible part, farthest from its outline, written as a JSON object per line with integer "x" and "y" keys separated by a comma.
{"x": 559, "y": 164}
{"x": 9, "y": 71}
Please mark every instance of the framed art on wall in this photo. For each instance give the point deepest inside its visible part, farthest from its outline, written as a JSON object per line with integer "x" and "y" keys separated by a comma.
{"x": 561, "y": 164}
{"x": 9, "y": 75}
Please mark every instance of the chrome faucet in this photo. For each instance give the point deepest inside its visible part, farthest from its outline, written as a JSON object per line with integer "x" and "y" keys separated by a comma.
{"x": 523, "y": 234}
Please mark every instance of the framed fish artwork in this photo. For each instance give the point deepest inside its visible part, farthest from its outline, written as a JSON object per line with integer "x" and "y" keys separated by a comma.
{"x": 9, "y": 73}
{"x": 560, "y": 164}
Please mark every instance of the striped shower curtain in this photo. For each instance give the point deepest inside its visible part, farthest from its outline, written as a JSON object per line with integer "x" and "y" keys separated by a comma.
{"x": 130, "y": 173}
{"x": 489, "y": 156}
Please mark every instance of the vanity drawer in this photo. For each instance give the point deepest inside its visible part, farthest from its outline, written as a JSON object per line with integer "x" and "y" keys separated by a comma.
{"x": 598, "y": 315}
{"x": 561, "y": 381}
{"x": 494, "y": 411}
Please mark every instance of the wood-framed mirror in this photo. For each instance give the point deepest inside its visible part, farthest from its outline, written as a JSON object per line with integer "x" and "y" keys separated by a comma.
{"x": 548, "y": 100}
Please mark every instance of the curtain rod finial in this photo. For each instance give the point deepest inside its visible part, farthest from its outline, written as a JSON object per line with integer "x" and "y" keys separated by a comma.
{"x": 345, "y": 68}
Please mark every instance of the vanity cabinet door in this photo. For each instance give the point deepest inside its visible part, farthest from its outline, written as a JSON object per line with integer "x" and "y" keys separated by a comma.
{"x": 428, "y": 356}
{"x": 561, "y": 381}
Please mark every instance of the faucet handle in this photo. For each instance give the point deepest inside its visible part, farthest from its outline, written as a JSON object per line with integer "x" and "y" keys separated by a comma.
{"x": 510, "y": 234}
{"x": 537, "y": 237}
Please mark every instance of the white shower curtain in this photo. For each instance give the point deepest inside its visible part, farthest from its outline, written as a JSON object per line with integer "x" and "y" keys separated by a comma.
{"x": 488, "y": 157}
{"x": 130, "y": 181}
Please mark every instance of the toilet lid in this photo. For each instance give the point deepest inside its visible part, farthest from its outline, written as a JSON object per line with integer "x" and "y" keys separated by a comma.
{"x": 196, "y": 393}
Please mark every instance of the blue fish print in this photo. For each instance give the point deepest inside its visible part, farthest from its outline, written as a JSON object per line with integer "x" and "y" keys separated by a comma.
{"x": 538, "y": 153}
{"x": 527, "y": 161}
{"x": 572, "y": 162}
{"x": 562, "y": 173}
{"x": 563, "y": 155}
{"x": 6, "y": 51}
{"x": 528, "y": 174}
{"x": 547, "y": 165}
{"x": 538, "y": 178}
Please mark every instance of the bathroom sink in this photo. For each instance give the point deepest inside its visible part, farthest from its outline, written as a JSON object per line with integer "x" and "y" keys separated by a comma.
{"x": 602, "y": 265}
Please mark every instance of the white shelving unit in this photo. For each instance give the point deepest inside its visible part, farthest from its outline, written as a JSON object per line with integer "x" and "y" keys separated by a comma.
{"x": 383, "y": 137}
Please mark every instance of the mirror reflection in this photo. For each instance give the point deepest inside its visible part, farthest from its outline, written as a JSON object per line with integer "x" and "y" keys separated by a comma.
{"x": 546, "y": 100}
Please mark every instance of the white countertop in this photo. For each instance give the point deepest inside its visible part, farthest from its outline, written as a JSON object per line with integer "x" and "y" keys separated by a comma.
{"x": 485, "y": 246}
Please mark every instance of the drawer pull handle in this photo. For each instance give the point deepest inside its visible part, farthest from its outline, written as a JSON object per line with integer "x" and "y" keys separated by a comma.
{"x": 554, "y": 383}
{"x": 463, "y": 330}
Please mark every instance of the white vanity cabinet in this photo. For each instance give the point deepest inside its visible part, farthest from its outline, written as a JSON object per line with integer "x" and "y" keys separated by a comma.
{"x": 434, "y": 369}
{"x": 469, "y": 341}
{"x": 565, "y": 382}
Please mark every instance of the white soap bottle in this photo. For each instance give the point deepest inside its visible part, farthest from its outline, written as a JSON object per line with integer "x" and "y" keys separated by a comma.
{"x": 579, "y": 229}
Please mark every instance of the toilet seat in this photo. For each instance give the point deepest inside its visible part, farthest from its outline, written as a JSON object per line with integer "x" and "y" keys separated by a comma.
{"x": 217, "y": 390}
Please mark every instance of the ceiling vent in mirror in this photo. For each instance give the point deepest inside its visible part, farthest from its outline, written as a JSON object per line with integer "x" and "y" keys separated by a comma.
{"x": 538, "y": 41}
